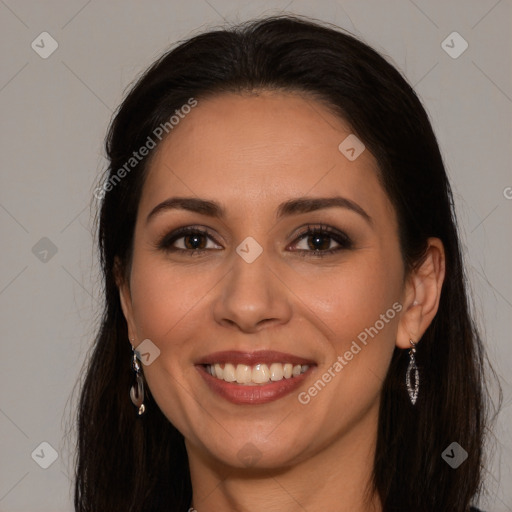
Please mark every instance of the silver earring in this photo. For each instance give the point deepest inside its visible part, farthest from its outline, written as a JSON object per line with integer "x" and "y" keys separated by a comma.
{"x": 412, "y": 369}
{"x": 137, "y": 390}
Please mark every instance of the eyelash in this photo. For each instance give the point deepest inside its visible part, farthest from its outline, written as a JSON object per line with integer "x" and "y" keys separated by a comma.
{"x": 344, "y": 241}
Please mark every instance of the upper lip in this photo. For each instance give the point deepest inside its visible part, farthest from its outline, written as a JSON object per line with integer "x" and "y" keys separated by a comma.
{"x": 251, "y": 358}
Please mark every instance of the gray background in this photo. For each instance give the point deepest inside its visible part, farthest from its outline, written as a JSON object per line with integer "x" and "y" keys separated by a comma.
{"x": 55, "y": 112}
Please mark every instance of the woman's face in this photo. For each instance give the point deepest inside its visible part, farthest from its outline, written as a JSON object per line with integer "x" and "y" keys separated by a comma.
{"x": 256, "y": 297}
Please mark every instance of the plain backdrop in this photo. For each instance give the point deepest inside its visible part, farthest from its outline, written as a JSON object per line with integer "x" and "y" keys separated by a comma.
{"x": 55, "y": 112}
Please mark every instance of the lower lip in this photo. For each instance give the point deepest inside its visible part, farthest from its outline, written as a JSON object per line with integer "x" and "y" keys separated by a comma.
{"x": 242, "y": 394}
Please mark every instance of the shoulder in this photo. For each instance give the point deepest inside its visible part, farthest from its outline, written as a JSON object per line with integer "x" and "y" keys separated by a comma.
{"x": 474, "y": 509}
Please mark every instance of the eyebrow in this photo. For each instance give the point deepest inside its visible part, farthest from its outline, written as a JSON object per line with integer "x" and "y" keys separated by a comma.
{"x": 290, "y": 207}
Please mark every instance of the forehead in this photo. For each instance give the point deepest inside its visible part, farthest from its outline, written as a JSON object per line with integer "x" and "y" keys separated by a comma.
{"x": 254, "y": 150}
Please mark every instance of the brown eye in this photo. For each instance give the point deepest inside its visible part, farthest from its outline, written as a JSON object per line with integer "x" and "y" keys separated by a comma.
{"x": 318, "y": 240}
{"x": 195, "y": 241}
{"x": 190, "y": 240}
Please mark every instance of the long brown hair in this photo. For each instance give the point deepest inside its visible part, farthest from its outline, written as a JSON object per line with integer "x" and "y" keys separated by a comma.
{"x": 130, "y": 463}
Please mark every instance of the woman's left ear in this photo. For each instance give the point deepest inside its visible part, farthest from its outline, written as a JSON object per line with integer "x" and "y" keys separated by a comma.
{"x": 422, "y": 295}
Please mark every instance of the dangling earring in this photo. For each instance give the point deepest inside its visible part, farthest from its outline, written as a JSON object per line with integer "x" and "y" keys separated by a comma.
{"x": 412, "y": 368}
{"x": 137, "y": 390}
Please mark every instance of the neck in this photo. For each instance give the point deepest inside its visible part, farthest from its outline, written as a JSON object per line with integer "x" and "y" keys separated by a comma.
{"x": 337, "y": 478}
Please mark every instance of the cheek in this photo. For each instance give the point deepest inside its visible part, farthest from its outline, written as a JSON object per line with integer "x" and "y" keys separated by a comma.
{"x": 166, "y": 306}
{"x": 360, "y": 306}
{"x": 351, "y": 298}
{"x": 162, "y": 297}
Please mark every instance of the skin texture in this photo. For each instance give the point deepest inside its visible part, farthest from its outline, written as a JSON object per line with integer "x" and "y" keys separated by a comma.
{"x": 251, "y": 152}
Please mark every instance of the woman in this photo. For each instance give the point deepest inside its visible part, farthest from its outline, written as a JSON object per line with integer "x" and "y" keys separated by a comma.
{"x": 285, "y": 302}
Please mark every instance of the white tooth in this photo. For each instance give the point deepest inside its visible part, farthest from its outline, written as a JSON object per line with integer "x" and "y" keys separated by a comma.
{"x": 229, "y": 372}
{"x": 260, "y": 373}
{"x": 219, "y": 372}
{"x": 276, "y": 371}
{"x": 296, "y": 370}
{"x": 243, "y": 373}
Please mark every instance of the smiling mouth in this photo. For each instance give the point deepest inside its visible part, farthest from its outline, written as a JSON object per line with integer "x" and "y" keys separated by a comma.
{"x": 257, "y": 374}
{"x": 253, "y": 377}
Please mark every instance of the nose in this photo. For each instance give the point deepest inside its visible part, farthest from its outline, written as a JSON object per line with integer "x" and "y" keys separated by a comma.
{"x": 251, "y": 296}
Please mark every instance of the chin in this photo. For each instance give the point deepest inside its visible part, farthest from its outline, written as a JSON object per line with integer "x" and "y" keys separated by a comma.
{"x": 255, "y": 453}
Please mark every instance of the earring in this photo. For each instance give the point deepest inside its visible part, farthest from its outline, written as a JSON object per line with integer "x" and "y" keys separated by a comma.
{"x": 412, "y": 369}
{"x": 137, "y": 390}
